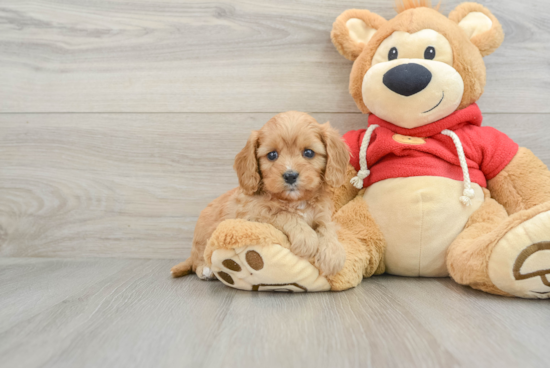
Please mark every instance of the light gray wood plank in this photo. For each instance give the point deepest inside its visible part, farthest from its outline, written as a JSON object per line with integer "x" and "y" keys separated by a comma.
{"x": 479, "y": 321}
{"x": 132, "y": 185}
{"x": 119, "y": 321}
{"x": 136, "y": 315}
{"x": 223, "y": 56}
{"x": 53, "y": 281}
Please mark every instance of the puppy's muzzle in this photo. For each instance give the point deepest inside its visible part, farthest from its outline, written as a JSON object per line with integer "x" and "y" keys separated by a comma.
{"x": 290, "y": 177}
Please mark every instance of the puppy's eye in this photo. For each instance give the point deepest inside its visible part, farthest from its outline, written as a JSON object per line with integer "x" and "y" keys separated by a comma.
{"x": 392, "y": 55}
{"x": 272, "y": 156}
{"x": 308, "y": 153}
{"x": 429, "y": 53}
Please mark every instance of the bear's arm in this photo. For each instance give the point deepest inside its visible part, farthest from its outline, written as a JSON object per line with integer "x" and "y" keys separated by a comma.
{"x": 522, "y": 184}
{"x": 345, "y": 193}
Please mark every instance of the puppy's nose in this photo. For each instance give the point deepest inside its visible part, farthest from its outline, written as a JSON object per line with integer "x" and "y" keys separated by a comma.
{"x": 290, "y": 177}
{"x": 407, "y": 79}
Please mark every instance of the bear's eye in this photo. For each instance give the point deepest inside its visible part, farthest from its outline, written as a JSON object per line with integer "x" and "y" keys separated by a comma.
{"x": 392, "y": 55}
{"x": 308, "y": 153}
{"x": 429, "y": 53}
{"x": 272, "y": 156}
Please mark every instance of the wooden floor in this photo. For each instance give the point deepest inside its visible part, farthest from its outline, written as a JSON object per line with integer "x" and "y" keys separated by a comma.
{"x": 119, "y": 122}
{"x": 130, "y": 313}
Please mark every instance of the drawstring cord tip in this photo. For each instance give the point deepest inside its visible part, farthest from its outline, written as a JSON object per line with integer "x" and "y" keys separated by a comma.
{"x": 467, "y": 195}
{"x": 469, "y": 192}
{"x": 357, "y": 181}
{"x": 465, "y": 200}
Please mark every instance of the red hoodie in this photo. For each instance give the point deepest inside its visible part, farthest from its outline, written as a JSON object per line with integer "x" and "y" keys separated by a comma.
{"x": 486, "y": 149}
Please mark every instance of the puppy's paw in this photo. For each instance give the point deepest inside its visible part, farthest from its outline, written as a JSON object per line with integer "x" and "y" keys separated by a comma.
{"x": 331, "y": 256}
{"x": 304, "y": 243}
{"x": 205, "y": 273}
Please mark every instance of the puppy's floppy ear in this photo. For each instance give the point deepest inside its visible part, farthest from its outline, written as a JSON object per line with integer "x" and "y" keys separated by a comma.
{"x": 246, "y": 166}
{"x": 353, "y": 29}
{"x": 481, "y": 26}
{"x": 337, "y": 156}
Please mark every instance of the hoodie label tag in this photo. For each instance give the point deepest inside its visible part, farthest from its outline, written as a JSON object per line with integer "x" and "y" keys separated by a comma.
{"x": 405, "y": 139}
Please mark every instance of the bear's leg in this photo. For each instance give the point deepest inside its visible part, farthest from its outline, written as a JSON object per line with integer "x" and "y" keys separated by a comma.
{"x": 468, "y": 255}
{"x": 504, "y": 255}
{"x": 363, "y": 241}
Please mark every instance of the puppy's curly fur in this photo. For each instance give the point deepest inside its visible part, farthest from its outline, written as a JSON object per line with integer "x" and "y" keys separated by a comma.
{"x": 301, "y": 209}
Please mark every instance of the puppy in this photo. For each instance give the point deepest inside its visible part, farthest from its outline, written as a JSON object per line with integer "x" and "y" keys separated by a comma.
{"x": 286, "y": 172}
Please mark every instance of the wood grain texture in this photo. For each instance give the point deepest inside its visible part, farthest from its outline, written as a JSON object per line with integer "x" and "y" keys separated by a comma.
{"x": 120, "y": 313}
{"x": 133, "y": 185}
{"x": 224, "y": 56}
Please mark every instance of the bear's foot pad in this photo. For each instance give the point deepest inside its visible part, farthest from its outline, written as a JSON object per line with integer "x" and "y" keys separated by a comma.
{"x": 520, "y": 261}
{"x": 266, "y": 268}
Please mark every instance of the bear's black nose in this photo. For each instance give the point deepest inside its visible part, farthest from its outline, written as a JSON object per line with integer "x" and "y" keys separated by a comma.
{"x": 407, "y": 79}
{"x": 290, "y": 177}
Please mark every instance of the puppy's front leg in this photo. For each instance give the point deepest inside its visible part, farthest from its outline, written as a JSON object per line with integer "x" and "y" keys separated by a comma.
{"x": 331, "y": 255}
{"x": 303, "y": 239}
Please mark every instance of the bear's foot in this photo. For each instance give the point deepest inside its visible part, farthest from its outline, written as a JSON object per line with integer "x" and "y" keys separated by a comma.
{"x": 253, "y": 256}
{"x": 269, "y": 267}
{"x": 520, "y": 261}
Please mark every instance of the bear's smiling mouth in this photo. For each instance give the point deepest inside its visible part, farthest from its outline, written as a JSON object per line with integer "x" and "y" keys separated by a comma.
{"x": 439, "y": 103}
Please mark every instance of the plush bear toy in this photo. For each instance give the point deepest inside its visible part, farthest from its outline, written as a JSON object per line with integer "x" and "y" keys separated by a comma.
{"x": 431, "y": 192}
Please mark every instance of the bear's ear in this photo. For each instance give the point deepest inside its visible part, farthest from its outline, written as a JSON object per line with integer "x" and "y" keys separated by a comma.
{"x": 353, "y": 29}
{"x": 480, "y": 25}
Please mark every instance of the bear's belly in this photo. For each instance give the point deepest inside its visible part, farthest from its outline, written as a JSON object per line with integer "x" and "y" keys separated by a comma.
{"x": 419, "y": 217}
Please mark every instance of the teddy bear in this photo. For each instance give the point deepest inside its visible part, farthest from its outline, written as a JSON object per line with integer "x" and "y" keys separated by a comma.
{"x": 430, "y": 192}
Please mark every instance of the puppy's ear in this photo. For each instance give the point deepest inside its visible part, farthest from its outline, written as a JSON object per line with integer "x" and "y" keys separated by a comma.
{"x": 337, "y": 156}
{"x": 246, "y": 166}
{"x": 352, "y": 31}
{"x": 480, "y": 25}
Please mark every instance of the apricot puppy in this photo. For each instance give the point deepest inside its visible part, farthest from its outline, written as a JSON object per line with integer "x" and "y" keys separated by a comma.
{"x": 286, "y": 171}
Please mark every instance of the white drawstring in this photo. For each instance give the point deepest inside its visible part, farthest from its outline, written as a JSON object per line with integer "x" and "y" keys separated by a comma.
{"x": 468, "y": 194}
{"x": 357, "y": 181}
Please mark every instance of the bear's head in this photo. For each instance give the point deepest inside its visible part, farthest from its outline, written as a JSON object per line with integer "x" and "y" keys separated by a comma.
{"x": 420, "y": 66}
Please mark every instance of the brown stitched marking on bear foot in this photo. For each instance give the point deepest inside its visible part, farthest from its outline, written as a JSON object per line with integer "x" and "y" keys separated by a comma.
{"x": 254, "y": 260}
{"x": 257, "y": 286}
{"x": 231, "y": 265}
{"x": 522, "y": 257}
{"x": 226, "y": 277}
